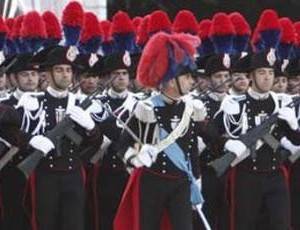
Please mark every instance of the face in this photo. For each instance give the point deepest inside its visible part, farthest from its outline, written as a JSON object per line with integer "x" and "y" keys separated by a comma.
{"x": 88, "y": 84}
{"x": 262, "y": 79}
{"x": 44, "y": 79}
{"x": 202, "y": 82}
{"x": 120, "y": 80}
{"x": 2, "y": 81}
{"x": 294, "y": 85}
{"x": 186, "y": 82}
{"x": 61, "y": 77}
{"x": 280, "y": 84}
{"x": 27, "y": 80}
{"x": 217, "y": 81}
{"x": 240, "y": 82}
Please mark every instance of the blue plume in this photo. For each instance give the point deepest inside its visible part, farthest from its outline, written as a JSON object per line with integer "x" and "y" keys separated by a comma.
{"x": 72, "y": 34}
{"x": 124, "y": 42}
{"x": 270, "y": 38}
{"x": 223, "y": 44}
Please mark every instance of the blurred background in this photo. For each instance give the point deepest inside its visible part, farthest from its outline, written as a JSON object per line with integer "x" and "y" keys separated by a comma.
{"x": 201, "y": 8}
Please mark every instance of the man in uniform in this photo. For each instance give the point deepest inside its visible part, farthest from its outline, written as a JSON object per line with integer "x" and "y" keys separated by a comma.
{"x": 258, "y": 181}
{"x": 59, "y": 179}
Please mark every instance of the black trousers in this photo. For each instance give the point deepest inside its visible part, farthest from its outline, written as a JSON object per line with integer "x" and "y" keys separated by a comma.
{"x": 215, "y": 207}
{"x": 60, "y": 200}
{"x": 12, "y": 188}
{"x": 158, "y": 194}
{"x": 111, "y": 185}
{"x": 256, "y": 191}
{"x": 295, "y": 194}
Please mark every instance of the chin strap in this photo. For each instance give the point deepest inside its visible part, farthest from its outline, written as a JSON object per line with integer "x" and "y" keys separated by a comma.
{"x": 178, "y": 86}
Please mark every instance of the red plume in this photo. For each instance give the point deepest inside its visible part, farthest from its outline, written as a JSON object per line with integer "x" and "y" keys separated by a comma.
{"x": 121, "y": 23}
{"x": 288, "y": 34}
{"x": 185, "y": 22}
{"x": 53, "y": 28}
{"x": 159, "y": 21}
{"x": 16, "y": 30}
{"x": 155, "y": 60}
{"x": 10, "y": 23}
{"x": 221, "y": 25}
{"x": 142, "y": 34}
{"x": 204, "y": 28}
{"x": 73, "y": 15}
{"x": 33, "y": 26}
{"x": 268, "y": 20}
{"x": 91, "y": 27}
{"x": 3, "y": 26}
{"x": 106, "y": 28}
{"x": 297, "y": 31}
{"x": 136, "y": 21}
{"x": 240, "y": 24}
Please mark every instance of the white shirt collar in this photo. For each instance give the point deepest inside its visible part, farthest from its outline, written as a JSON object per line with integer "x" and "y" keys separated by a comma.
{"x": 56, "y": 93}
{"x": 258, "y": 96}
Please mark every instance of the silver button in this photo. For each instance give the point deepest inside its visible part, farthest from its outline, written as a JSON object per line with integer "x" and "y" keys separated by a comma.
{"x": 70, "y": 167}
{"x": 71, "y": 150}
{"x": 163, "y": 171}
{"x": 46, "y": 107}
{"x": 47, "y": 115}
{"x": 164, "y": 155}
{"x": 273, "y": 159}
{"x": 254, "y": 168}
{"x": 273, "y": 167}
{"x": 190, "y": 146}
{"x": 51, "y": 165}
{"x": 192, "y": 140}
{"x": 47, "y": 123}
{"x": 248, "y": 110}
{"x": 188, "y": 154}
{"x": 51, "y": 158}
{"x": 155, "y": 109}
{"x": 158, "y": 117}
{"x": 20, "y": 157}
{"x": 70, "y": 159}
{"x": 192, "y": 132}
{"x": 164, "y": 163}
{"x": 114, "y": 166}
{"x": 160, "y": 125}
{"x": 114, "y": 157}
{"x": 253, "y": 160}
{"x": 193, "y": 124}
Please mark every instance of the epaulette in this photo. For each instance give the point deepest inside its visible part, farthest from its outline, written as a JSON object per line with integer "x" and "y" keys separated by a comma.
{"x": 30, "y": 100}
{"x": 231, "y": 104}
{"x": 144, "y": 111}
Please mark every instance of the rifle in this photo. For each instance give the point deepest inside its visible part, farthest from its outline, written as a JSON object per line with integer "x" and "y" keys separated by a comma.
{"x": 62, "y": 129}
{"x": 250, "y": 138}
{"x": 212, "y": 89}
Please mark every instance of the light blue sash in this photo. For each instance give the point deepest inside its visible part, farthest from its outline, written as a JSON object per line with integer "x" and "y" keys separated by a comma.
{"x": 177, "y": 156}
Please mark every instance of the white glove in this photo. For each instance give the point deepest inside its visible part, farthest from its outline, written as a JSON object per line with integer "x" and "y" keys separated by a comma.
{"x": 147, "y": 155}
{"x": 131, "y": 156}
{"x": 200, "y": 112}
{"x": 288, "y": 114}
{"x": 287, "y": 144}
{"x": 42, "y": 143}
{"x": 81, "y": 117}
{"x": 235, "y": 146}
{"x": 201, "y": 145}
